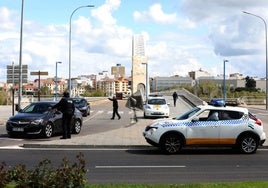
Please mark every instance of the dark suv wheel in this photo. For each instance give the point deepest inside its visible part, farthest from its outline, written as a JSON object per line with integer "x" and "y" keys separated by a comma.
{"x": 77, "y": 126}
{"x": 48, "y": 130}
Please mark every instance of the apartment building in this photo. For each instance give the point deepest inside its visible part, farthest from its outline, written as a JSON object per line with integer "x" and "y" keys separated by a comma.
{"x": 118, "y": 71}
{"x": 162, "y": 83}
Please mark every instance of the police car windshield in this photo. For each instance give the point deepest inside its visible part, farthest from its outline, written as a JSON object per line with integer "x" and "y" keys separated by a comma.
{"x": 157, "y": 101}
{"x": 188, "y": 114}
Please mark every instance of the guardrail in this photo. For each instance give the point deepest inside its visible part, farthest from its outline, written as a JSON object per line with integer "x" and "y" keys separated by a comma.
{"x": 190, "y": 98}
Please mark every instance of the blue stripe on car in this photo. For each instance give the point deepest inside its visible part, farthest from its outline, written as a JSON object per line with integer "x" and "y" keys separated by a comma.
{"x": 204, "y": 123}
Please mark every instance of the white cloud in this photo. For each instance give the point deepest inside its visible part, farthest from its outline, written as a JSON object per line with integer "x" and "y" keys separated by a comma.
{"x": 196, "y": 34}
{"x": 156, "y": 14}
{"x": 104, "y": 12}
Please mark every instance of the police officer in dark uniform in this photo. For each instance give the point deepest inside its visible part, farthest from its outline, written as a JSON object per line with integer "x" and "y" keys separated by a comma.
{"x": 66, "y": 106}
{"x": 175, "y": 97}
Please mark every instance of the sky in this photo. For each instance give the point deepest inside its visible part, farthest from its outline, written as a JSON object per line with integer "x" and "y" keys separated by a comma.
{"x": 180, "y": 36}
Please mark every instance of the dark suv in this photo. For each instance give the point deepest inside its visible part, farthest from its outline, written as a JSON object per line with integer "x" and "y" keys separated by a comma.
{"x": 38, "y": 119}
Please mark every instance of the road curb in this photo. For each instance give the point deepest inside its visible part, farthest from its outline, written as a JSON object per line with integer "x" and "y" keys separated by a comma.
{"x": 101, "y": 146}
{"x": 86, "y": 146}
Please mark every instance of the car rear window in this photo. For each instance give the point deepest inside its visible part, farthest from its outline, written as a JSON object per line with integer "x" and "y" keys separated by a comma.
{"x": 251, "y": 116}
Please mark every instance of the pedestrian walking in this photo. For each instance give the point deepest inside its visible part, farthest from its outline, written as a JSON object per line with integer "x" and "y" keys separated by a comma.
{"x": 66, "y": 106}
{"x": 115, "y": 107}
{"x": 175, "y": 97}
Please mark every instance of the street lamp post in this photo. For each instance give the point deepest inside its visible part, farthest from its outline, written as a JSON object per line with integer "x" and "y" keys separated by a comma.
{"x": 56, "y": 80}
{"x": 224, "y": 82}
{"x": 20, "y": 56}
{"x": 147, "y": 88}
{"x": 70, "y": 47}
{"x": 13, "y": 93}
{"x": 266, "y": 60}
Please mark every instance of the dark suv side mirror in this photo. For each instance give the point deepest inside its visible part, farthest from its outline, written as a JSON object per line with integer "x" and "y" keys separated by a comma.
{"x": 17, "y": 108}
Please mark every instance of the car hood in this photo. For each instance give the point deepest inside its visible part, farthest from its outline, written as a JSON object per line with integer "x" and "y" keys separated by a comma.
{"x": 79, "y": 106}
{"x": 164, "y": 122}
{"x": 26, "y": 116}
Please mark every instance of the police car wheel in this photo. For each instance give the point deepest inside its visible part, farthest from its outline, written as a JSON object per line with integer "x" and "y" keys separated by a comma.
{"x": 48, "y": 130}
{"x": 77, "y": 127}
{"x": 144, "y": 115}
{"x": 171, "y": 143}
{"x": 248, "y": 144}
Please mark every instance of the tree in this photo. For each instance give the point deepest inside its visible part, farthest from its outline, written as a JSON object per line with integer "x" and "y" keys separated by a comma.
{"x": 250, "y": 84}
{"x": 44, "y": 90}
{"x": 209, "y": 89}
{"x": 3, "y": 97}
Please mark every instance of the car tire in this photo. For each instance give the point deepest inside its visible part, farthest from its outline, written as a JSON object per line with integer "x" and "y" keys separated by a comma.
{"x": 144, "y": 115}
{"x": 84, "y": 114}
{"x": 12, "y": 135}
{"x": 248, "y": 144}
{"x": 48, "y": 130}
{"x": 171, "y": 143}
{"x": 77, "y": 127}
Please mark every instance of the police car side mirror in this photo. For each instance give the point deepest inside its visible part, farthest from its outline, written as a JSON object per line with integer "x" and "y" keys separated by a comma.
{"x": 195, "y": 119}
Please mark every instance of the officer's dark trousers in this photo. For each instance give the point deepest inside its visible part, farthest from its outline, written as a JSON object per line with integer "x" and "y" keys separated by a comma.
{"x": 115, "y": 111}
{"x": 66, "y": 125}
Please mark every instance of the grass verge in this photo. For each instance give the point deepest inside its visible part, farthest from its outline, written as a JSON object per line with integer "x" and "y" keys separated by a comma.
{"x": 258, "y": 184}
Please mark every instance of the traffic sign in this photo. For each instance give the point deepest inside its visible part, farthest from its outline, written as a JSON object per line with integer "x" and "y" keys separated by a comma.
{"x": 39, "y": 73}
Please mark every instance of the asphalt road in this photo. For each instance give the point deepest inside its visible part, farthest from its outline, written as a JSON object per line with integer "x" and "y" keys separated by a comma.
{"x": 150, "y": 166}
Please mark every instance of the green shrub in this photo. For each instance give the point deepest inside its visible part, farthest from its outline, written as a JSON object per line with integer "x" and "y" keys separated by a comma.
{"x": 45, "y": 175}
{"x": 3, "y": 175}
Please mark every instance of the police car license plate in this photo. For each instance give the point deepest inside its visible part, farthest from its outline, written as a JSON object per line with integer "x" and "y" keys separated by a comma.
{"x": 18, "y": 129}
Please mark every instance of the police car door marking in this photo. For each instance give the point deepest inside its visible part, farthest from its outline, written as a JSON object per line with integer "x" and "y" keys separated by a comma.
{"x": 204, "y": 123}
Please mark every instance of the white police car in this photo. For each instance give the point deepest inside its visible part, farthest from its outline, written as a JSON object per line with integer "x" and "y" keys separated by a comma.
{"x": 208, "y": 126}
{"x": 156, "y": 106}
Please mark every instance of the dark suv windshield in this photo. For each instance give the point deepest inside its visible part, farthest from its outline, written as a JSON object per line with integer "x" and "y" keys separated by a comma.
{"x": 36, "y": 108}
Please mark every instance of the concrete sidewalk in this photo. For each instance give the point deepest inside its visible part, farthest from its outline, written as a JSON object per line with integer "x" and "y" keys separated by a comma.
{"x": 129, "y": 136}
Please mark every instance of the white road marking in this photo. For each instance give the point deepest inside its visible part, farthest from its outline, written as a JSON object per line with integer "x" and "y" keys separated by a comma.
{"x": 74, "y": 148}
{"x": 120, "y": 112}
{"x": 92, "y": 116}
{"x": 111, "y": 167}
{"x": 11, "y": 147}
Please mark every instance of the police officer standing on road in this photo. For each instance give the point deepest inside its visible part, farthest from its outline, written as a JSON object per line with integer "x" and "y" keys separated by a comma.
{"x": 115, "y": 107}
{"x": 66, "y": 106}
{"x": 175, "y": 97}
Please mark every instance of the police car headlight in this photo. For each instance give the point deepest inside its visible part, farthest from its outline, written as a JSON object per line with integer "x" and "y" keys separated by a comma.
{"x": 151, "y": 129}
{"x": 37, "y": 121}
{"x": 166, "y": 107}
{"x": 147, "y": 107}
